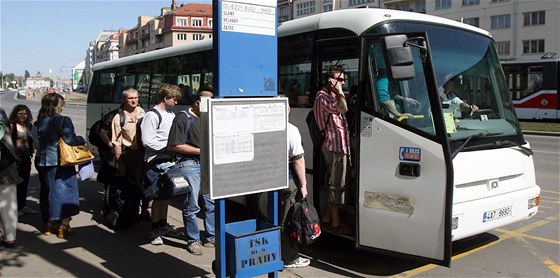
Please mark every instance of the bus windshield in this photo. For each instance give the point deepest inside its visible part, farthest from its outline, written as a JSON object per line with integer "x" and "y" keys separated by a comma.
{"x": 471, "y": 86}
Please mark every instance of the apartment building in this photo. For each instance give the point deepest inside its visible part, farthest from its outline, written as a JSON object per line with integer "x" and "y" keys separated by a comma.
{"x": 109, "y": 50}
{"x": 174, "y": 26}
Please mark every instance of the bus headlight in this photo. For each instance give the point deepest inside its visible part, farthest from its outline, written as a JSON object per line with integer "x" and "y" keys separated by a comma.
{"x": 533, "y": 202}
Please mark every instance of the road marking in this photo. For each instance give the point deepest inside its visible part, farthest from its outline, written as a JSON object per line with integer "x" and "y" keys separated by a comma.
{"x": 501, "y": 238}
{"x": 548, "y": 240}
{"x": 550, "y": 191}
{"x": 545, "y": 260}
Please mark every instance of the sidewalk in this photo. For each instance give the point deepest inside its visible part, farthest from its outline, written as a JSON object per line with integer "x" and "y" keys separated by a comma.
{"x": 94, "y": 250}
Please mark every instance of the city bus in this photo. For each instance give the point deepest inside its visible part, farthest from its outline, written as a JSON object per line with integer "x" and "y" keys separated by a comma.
{"x": 534, "y": 86}
{"x": 416, "y": 183}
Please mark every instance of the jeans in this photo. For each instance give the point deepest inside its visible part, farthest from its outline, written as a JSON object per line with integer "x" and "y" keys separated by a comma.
{"x": 191, "y": 171}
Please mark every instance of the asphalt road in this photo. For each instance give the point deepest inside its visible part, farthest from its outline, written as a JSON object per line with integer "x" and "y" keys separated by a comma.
{"x": 527, "y": 249}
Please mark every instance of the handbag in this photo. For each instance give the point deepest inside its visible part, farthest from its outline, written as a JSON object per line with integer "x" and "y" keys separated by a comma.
{"x": 174, "y": 183}
{"x": 72, "y": 155}
{"x": 164, "y": 181}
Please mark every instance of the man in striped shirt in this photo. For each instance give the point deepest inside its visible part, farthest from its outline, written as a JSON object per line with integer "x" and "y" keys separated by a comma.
{"x": 329, "y": 110}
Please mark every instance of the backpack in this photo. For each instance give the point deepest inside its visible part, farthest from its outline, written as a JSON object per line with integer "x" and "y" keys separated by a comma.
{"x": 303, "y": 224}
{"x": 103, "y": 123}
{"x": 141, "y": 146}
{"x": 121, "y": 203}
{"x": 317, "y": 135}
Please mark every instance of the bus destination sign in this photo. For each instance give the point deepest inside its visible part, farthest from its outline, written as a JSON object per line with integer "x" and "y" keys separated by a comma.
{"x": 247, "y": 18}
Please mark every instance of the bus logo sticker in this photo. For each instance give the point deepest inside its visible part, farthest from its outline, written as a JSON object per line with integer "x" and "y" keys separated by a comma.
{"x": 493, "y": 184}
{"x": 410, "y": 154}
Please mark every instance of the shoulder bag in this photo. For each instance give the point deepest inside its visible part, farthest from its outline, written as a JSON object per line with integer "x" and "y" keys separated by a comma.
{"x": 72, "y": 155}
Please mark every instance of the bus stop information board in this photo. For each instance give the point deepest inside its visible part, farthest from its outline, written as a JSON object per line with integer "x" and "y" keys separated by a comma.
{"x": 247, "y": 143}
{"x": 247, "y": 48}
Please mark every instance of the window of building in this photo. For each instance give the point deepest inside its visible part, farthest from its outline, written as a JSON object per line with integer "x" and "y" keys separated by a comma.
{"x": 533, "y": 46}
{"x": 197, "y": 22}
{"x": 443, "y": 4}
{"x": 182, "y": 37}
{"x": 471, "y": 2}
{"x": 306, "y": 8}
{"x": 474, "y": 21}
{"x": 327, "y": 8}
{"x": 503, "y": 47}
{"x": 404, "y": 7}
{"x": 496, "y": 1}
{"x": 181, "y": 22}
{"x": 209, "y": 22}
{"x": 359, "y": 2}
{"x": 501, "y": 21}
{"x": 534, "y": 18}
{"x": 197, "y": 37}
{"x": 421, "y": 7}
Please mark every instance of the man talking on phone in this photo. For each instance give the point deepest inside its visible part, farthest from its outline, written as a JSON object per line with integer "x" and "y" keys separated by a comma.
{"x": 329, "y": 109}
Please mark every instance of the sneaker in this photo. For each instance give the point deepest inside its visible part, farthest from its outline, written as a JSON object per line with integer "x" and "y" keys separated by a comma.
{"x": 154, "y": 237}
{"x": 299, "y": 262}
{"x": 210, "y": 243}
{"x": 28, "y": 210}
{"x": 195, "y": 248}
{"x": 157, "y": 241}
{"x": 170, "y": 231}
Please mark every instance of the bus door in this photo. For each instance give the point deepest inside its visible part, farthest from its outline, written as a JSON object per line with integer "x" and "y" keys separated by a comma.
{"x": 404, "y": 193}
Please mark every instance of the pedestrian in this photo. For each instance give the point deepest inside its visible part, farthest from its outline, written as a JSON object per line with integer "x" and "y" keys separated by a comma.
{"x": 21, "y": 122}
{"x": 184, "y": 140}
{"x": 297, "y": 191}
{"x": 59, "y": 196}
{"x": 123, "y": 139}
{"x": 329, "y": 109}
{"x": 155, "y": 133}
{"x": 8, "y": 179}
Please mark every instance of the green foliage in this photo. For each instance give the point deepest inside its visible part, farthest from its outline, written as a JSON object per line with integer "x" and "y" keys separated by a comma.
{"x": 540, "y": 126}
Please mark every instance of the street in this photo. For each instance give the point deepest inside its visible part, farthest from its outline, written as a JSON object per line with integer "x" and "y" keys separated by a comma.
{"x": 527, "y": 249}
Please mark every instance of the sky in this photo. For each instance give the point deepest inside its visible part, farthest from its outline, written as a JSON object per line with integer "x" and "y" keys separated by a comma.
{"x": 51, "y": 37}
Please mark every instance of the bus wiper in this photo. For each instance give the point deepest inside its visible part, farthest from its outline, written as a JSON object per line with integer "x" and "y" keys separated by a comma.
{"x": 468, "y": 139}
{"x": 505, "y": 143}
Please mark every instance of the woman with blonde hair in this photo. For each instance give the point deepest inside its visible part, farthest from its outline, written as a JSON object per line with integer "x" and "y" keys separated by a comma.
{"x": 59, "y": 196}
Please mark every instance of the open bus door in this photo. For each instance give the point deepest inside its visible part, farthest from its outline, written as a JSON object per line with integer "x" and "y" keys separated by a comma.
{"x": 405, "y": 176}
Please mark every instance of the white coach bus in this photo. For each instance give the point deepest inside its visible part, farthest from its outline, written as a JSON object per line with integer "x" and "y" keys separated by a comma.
{"x": 416, "y": 184}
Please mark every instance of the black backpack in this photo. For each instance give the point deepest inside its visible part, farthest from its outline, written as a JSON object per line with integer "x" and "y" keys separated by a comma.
{"x": 302, "y": 223}
{"x": 105, "y": 123}
{"x": 122, "y": 203}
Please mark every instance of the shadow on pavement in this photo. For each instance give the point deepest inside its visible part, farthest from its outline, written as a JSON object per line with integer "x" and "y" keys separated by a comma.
{"x": 123, "y": 253}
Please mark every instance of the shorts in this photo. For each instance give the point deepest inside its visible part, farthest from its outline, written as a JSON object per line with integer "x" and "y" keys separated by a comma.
{"x": 337, "y": 168}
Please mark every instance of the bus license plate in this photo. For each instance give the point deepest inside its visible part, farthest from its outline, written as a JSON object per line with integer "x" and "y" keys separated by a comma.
{"x": 496, "y": 214}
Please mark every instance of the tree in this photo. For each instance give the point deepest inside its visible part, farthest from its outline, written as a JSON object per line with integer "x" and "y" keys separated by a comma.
{"x": 39, "y": 74}
{"x": 26, "y": 75}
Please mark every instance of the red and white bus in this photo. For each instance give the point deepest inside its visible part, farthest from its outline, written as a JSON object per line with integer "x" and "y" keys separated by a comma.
{"x": 534, "y": 87}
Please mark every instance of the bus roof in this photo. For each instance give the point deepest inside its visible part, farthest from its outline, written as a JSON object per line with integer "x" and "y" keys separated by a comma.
{"x": 360, "y": 20}
{"x": 345, "y": 19}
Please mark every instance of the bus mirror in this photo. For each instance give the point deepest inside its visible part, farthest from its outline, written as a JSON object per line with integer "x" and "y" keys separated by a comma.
{"x": 401, "y": 63}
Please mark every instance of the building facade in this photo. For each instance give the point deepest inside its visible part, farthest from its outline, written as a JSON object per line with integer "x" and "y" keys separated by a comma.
{"x": 175, "y": 26}
{"x": 109, "y": 50}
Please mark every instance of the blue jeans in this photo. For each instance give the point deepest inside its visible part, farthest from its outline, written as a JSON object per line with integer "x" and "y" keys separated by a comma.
{"x": 191, "y": 171}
